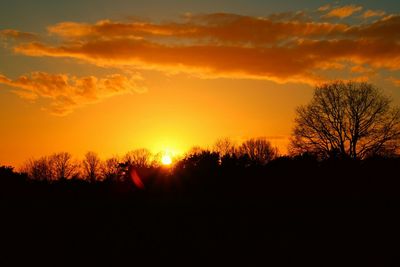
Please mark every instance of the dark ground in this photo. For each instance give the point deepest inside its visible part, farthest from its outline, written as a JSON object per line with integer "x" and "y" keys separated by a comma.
{"x": 285, "y": 214}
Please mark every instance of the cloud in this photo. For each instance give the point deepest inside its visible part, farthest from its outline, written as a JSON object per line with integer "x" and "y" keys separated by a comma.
{"x": 324, "y": 8}
{"x": 296, "y": 61}
{"x": 361, "y": 69}
{"x": 17, "y": 35}
{"x": 343, "y": 12}
{"x": 299, "y": 16}
{"x": 373, "y": 13}
{"x": 275, "y": 63}
{"x": 66, "y": 93}
{"x": 281, "y": 48}
{"x": 384, "y": 30}
{"x": 213, "y": 45}
{"x": 231, "y": 28}
{"x": 395, "y": 81}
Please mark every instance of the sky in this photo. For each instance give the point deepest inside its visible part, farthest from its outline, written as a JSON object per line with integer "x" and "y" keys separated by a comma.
{"x": 113, "y": 76}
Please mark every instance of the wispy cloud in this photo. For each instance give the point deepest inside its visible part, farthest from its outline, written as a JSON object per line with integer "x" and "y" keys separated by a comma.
{"x": 228, "y": 45}
{"x": 325, "y": 7}
{"x": 395, "y": 81}
{"x": 17, "y": 35}
{"x": 275, "y": 63}
{"x": 212, "y": 28}
{"x": 343, "y": 11}
{"x": 66, "y": 93}
{"x": 361, "y": 69}
{"x": 373, "y": 13}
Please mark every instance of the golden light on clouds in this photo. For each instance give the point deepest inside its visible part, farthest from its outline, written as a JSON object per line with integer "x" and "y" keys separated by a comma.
{"x": 17, "y": 35}
{"x": 343, "y": 11}
{"x": 67, "y": 92}
{"x": 374, "y": 13}
{"x": 221, "y": 45}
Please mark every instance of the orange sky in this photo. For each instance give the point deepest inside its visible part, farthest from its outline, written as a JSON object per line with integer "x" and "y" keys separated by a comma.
{"x": 111, "y": 85}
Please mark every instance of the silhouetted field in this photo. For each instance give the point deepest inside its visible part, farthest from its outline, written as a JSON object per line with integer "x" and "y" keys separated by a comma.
{"x": 287, "y": 213}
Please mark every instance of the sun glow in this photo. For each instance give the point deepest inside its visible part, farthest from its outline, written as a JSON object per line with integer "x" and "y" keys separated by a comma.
{"x": 166, "y": 160}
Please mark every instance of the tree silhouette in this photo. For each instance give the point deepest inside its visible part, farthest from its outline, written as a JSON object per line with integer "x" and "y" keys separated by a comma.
{"x": 198, "y": 167}
{"x": 225, "y": 147}
{"x": 58, "y": 166}
{"x": 259, "y": 151}
{"x": 62, "y": 166}
{"x": 39, "y": 169}
{"x": 139, "y": 158}
{"x": 195, "y": 150}
{"x": 346, "y": 120}
{"x": 92, "y": 164}
{"x": 110, "y": 169}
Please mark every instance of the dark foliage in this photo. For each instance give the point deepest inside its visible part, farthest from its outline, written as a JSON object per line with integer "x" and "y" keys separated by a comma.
{"x": 207, "y": 211}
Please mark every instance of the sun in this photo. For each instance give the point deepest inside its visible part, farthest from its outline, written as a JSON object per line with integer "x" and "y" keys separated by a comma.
{"x": 166, "y": 160}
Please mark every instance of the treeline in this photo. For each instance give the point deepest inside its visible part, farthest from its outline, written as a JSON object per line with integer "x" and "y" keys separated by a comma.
{"x": 253, "y": 169}
{"x": 62, "y": 166}
{"x": 232, "y": 208}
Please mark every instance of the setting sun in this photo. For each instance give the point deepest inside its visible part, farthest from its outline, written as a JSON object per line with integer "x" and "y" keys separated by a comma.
{"x": 166, "y": 160}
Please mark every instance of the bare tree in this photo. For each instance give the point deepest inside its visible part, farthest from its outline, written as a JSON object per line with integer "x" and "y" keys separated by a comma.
{"x": 139, "y": 158}
{"x": 110, "y": 169}
{"x": 62, "y": 165}
{"x": 157, "y": 159}
{"x": 347, "y": 120}
{"x": 195, "y": 150}
{"x": 38, "y": 169}
{"x": 91, "y": 166}
{"x": 224, "y": 147}
{"x": 259, "y": 150}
